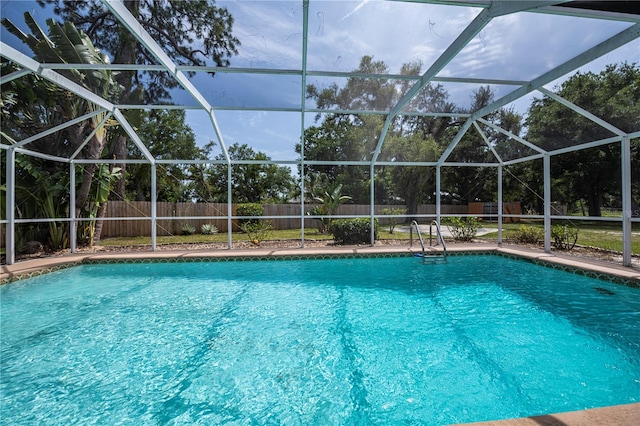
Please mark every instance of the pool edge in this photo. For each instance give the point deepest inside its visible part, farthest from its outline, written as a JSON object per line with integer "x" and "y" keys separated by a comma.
{"x": 597, "y": 269}
{"x": 615, "y": 415}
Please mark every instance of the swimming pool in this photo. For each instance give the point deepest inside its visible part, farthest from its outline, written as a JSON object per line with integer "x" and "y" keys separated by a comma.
{"x": 341, "y": 341}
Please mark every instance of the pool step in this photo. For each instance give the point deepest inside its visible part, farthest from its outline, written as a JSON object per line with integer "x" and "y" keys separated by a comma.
{"x": 432, "y": 256}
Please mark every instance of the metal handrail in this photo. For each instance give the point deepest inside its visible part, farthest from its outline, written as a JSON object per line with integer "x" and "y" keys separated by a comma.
{"x": 414, "y": 224}
{"x": 439, "y": 236}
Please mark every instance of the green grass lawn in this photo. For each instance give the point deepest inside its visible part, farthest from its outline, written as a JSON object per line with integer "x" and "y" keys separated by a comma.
{"x": 284, "y": 234}
{"x": 602, "y": 235}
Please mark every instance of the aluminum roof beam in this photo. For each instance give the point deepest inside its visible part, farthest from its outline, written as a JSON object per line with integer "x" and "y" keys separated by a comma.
{"x": 584, "y": 58}
{"x": 595, "y": 9}
{"x": 512, "y": 136}
{"x": 57, "y": 128}
{"x": 13, "y": 76}
{"x": 63, "y": 82}
{"x": 486, "y": 141}
{"x": 631, "y": 15}
{"x": 479, "y": 22}
{"x": 613, "y": 129}
{"x": 273, "y": 71}
{"x": 295, "y": 110}
{"x": 495, "y": 9}
{"x": 574, "y": 148}
{"x": 120, "y": 11}
{"x": 35, "y": 67}
{"x": 92, "y": 134}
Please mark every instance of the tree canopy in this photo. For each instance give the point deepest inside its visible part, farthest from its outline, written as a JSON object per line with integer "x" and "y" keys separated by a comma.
{"x": 250, "y": 183}
{"x": 175, "y": 25}
{"x": 411, "y": 138}
{"x": 43, "y": 105}
{"x": 169, "y": 137}
{"x": 593, "y": 174}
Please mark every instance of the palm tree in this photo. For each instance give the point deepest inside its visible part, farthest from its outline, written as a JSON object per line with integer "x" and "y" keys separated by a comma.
{"x": 330, "y": 203}
{"x": 66, "y": 44}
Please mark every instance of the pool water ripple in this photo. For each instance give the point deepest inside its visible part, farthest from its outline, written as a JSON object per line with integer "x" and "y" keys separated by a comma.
{"x": 349, "y": 341}
{"x": 358, "y": 391}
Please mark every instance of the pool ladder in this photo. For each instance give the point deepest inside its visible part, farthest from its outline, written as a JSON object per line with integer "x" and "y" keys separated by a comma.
{"x": 432, "y": 255}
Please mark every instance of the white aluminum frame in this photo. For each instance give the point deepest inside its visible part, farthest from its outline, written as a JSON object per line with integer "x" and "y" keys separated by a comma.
{"x": 489, "y": 10}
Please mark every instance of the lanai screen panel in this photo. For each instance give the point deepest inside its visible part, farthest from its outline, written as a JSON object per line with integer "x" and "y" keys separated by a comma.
{"x": 525, "y": 45}
{"x": 270, "y": 33}
{"x": 274, "y": 63}
{"x": 391, "y": 52}
{"x": 396, "y": 33}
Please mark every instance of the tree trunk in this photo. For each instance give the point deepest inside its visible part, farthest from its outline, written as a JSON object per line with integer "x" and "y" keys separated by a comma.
{"x": 98, "y": 229}
{"x": 82, "y": 194}
{"x": 120, "y": 153}
{"x": 594, "y": 201}
{"x": 139, "y": 192}
{"x": 103, "y": 209}
{"x": 95, "y": 147}
{"x": 412, "y": 208}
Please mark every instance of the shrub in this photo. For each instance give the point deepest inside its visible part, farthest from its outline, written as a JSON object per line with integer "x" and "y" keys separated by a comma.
{"x": 462, "y": 229}
{"x": 528, "y": 234}
{"x": 353, "y": 231}
{"x": 393, "y": 221}
{"x": 257, "y": 232}
{"x": 208, "y": 229}
{"x": 564, "y": 236}
{"x": 249, "y": 209}
{"x": 188, "y": 229}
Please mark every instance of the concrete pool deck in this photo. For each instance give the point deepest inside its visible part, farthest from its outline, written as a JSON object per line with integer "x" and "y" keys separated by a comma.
{"x": 619, "y": 415}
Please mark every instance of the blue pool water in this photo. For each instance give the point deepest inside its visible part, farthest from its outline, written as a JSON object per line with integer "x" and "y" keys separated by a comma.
{"x": 348, "y": 341}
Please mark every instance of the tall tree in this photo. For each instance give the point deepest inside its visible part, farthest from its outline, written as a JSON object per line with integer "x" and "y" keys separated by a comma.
{"x": 358, "y": 93}
{"x": 46, "y": 105}
{"x": 250, "y": 183}
{"x": 175, "y": 25}
{"x": 613, "y": 95}
{"x": 432, "y": 98}
{"x": 472, "y": 183}
{"x": 167, "y": 136}
{"x": 340, "y": 140}
{"x": 413, "y": 184}
{"x": 353, "y": 137}
{"x": 418, "y": 138}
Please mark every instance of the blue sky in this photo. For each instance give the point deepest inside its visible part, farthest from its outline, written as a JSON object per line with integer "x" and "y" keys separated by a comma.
{"x": 518, "y": 47}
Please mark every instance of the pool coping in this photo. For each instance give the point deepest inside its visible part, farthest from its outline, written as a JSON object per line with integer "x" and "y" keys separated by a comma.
{"x": 620, "y": 415}
{"x": 616, "y": 415}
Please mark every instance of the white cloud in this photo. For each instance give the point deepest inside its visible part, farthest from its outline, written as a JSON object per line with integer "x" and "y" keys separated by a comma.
{"x": 355, "y": 9}
{"x": 519, "y": 47}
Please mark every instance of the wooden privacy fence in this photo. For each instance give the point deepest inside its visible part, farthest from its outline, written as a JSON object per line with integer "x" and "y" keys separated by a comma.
{"x": 215, "y": 214}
